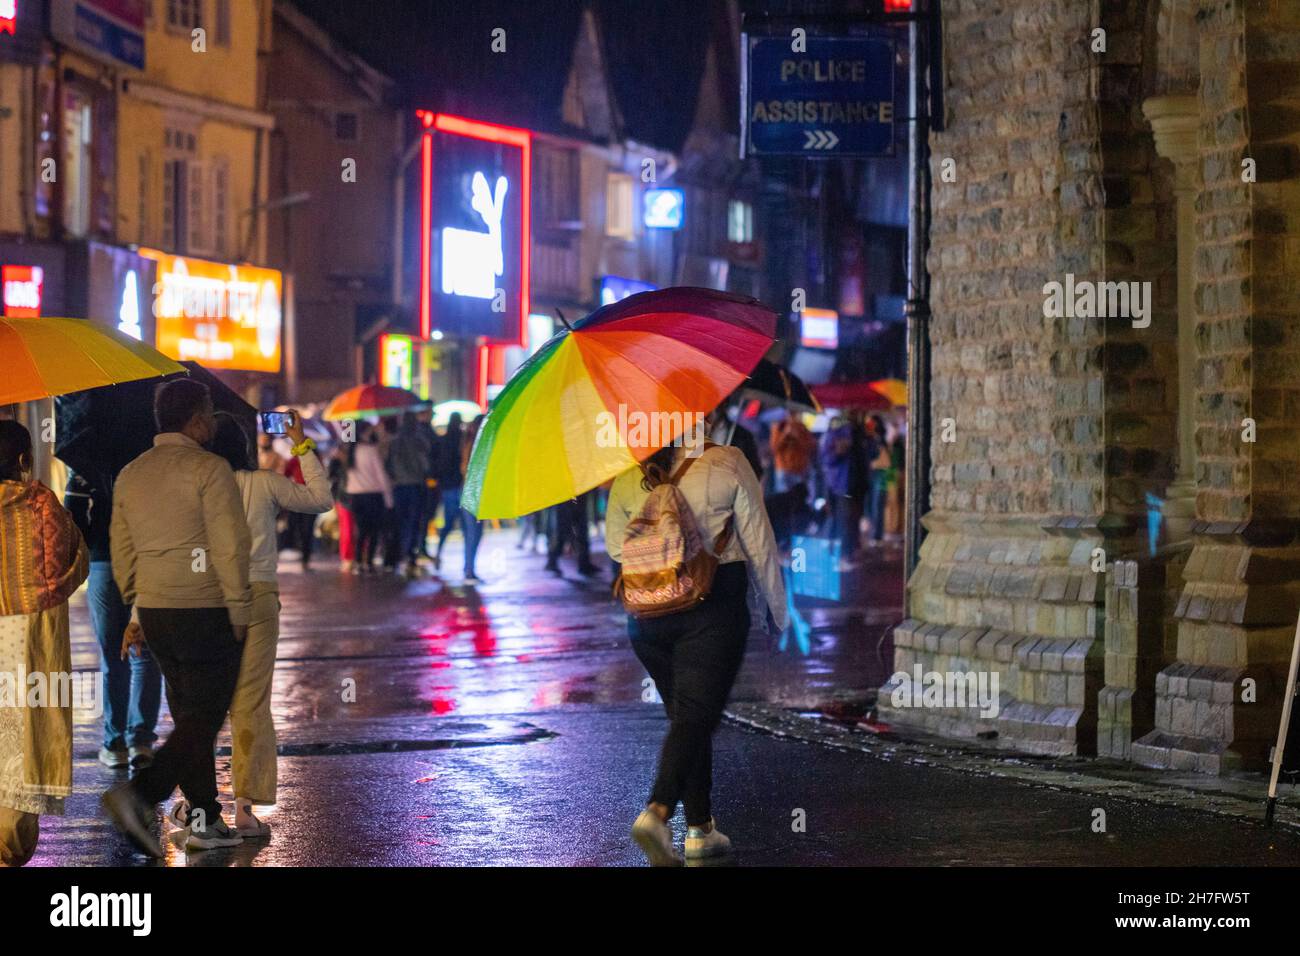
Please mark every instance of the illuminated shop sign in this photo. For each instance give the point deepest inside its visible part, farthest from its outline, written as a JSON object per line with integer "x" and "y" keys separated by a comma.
{"x": 23, "y": 290}
{"x": 475, "y": 195}
{"x": 820, "y": 328}
{"x": 119, "y": 292}
{"x": 396, "y": 360}
{"x": 664, "y": 208}
{"x": 222, "y": 315}
{"x": 617, "y": 288}
{"x": 8, "y": 16}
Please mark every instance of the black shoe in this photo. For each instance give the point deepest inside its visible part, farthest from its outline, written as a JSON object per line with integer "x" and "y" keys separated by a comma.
{"x": 553, "y": 568}
{"x": 588, "y": 570}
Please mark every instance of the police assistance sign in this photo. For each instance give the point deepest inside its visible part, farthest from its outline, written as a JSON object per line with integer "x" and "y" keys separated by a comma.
{"x": 809, "y": 96}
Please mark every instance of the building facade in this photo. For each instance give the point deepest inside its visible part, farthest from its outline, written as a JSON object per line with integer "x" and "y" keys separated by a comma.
{"x": 1112, "y": 528}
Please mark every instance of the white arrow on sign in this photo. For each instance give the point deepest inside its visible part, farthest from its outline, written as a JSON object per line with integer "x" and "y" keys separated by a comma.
{"x": 820, "y": 139}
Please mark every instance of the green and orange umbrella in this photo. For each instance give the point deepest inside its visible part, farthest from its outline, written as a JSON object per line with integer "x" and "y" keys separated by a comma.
{"x": 609, "y": 392}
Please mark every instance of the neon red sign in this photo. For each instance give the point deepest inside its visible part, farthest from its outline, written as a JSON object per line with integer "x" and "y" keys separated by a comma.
{"x": 8, "y": 16}
{"x": 22, "y": 287}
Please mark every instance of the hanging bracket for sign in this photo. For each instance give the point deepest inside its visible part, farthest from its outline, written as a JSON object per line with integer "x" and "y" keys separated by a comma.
{"x": 1286, "y": 752}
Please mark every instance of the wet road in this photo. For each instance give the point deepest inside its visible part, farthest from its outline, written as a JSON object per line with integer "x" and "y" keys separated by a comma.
{"x": 427, "y": 723}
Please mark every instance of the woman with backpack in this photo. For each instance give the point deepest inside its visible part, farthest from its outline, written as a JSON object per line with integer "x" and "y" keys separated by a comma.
{"x": 689, "y": 528}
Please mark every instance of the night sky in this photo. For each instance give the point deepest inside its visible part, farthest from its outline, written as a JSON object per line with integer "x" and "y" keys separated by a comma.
{"x": 439, "y": 53}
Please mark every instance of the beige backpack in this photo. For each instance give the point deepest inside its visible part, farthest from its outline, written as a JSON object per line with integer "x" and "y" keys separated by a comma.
{"x": 666, "y": 568}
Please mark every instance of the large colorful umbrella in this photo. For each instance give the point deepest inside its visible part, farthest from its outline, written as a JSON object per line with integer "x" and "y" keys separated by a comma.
{"x": 625, "y": 381}
{"x": 43, "y": 357}
{"x": 366, "y": 401}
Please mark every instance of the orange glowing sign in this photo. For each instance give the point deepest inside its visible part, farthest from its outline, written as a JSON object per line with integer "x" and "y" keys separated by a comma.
{"x": 222, "y": 315}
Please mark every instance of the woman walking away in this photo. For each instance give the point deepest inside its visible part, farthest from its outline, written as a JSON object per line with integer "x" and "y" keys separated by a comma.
{"x": 264, "y": 494}
{"x": 43, "y": 559}
{"x": 449, "y": 473}
{"x": 370, "y": 493}
{"x": 685, "y": 526}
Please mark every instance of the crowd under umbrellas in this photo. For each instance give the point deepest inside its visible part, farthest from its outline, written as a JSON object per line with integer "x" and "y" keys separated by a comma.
{"x": 180, "y": 498}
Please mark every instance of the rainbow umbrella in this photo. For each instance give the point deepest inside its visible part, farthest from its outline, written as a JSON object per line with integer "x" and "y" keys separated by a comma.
{"x": 365, "y": 401}
{"x": 43, "y": 357}
{"x": 608, "y": 392}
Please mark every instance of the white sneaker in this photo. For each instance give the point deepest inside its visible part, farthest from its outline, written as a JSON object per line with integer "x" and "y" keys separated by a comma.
{"x": 701, "y": 844}
{"x": 179, "y": 815}
{"x": 114, "y": 759}
{"x": 655, "y": 839}
{"x": 213, "y": 834}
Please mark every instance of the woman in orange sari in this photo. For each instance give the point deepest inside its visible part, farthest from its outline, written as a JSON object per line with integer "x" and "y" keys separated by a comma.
{"x": 43, "y": 559}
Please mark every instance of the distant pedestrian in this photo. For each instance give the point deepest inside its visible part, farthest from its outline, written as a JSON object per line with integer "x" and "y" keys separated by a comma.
{"x": 836, "y": 455}
{"x": 449, "y": 473}
{"x": 43, "y": 560}
{"x": 570, "y": 525}
{"x": 793, "y": 447}
{"x": 338, "y": 475}
{"x": 409, "y": 455}
{"x": 264, "y": 494}
{"x": 132, "y": 688}
{"x": 879, "y": 471}
{"x": 370, "y": 494}
{"x": 180, "y": 545}
{"x": 693, "y": 655}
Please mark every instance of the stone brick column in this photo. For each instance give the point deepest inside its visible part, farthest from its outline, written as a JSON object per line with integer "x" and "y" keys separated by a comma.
{"x": 1175, "y": 120}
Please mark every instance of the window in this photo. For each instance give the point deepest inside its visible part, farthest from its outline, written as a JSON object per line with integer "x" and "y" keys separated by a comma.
{"x": 78, "y": 171}
{"x": 197, "y": 201}
{"x": 223, "y": 22}
{"x": 346, "y": 127}
{"x": 184, "y": 15}
{"x": 220, "y": 206}
{"x": 740, "y": 221}
{"x": 557, "y": 188}
{"x": 618, "y": 206}
{"x": 183, "y": 201}
{"x": 142, "y": 199}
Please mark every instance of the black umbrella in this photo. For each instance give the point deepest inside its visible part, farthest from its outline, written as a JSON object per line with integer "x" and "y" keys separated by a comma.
{"x": 773, "y": 383}
{"x": 101, "y": 430}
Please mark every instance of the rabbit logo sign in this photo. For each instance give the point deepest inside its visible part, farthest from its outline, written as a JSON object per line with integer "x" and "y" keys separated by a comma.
{"x": 471, "y": 261}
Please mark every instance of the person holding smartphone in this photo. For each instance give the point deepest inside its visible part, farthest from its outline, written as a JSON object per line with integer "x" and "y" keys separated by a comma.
{"x": 264, "y": 494}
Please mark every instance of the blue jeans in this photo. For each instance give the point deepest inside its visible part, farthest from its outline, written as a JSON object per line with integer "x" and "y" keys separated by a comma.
{"x": 473, "y": 529}
{"x": 878, "y": 482}
{"x": 132, "y": 688}
{"x": 450, "y": 515}
{"x": 408, "y": 500}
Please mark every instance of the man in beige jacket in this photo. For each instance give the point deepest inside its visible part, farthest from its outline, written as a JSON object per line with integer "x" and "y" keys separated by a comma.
{"x": 181, "y": 549}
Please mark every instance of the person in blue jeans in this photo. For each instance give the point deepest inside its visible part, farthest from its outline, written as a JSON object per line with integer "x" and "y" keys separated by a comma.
{"x": 132, "y": 688}
{"x": 448, "y": 471}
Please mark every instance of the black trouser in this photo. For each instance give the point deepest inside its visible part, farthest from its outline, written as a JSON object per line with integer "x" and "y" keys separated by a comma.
{"x": 302, "y": 533}
{"x": 369, "y": 511}
{"x": 199, "y": 657}
{"x": 569, "y": 524}
{"x": 693, "y": 658}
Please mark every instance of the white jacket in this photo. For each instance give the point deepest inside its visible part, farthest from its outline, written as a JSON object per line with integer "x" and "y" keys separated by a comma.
{"x": 265, "y": 493}
{"x": 718, "y": 485}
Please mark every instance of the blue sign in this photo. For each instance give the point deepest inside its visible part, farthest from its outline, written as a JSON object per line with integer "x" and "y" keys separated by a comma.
{"x": 664, "y": 208}
{"x": 109, "y": 30}
{"x": 617, "y": 288}
{"x": 835, "y": 97}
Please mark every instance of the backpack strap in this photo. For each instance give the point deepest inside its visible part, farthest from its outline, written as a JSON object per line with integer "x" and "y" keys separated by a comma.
{"x": 685, "y": 466}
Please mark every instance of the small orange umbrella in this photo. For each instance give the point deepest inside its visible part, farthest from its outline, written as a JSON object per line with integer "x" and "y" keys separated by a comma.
{"x": 365, "y": 401}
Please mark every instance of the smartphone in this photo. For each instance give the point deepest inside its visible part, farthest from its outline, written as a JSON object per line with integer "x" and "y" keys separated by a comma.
{"x": 276, "y": 423}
